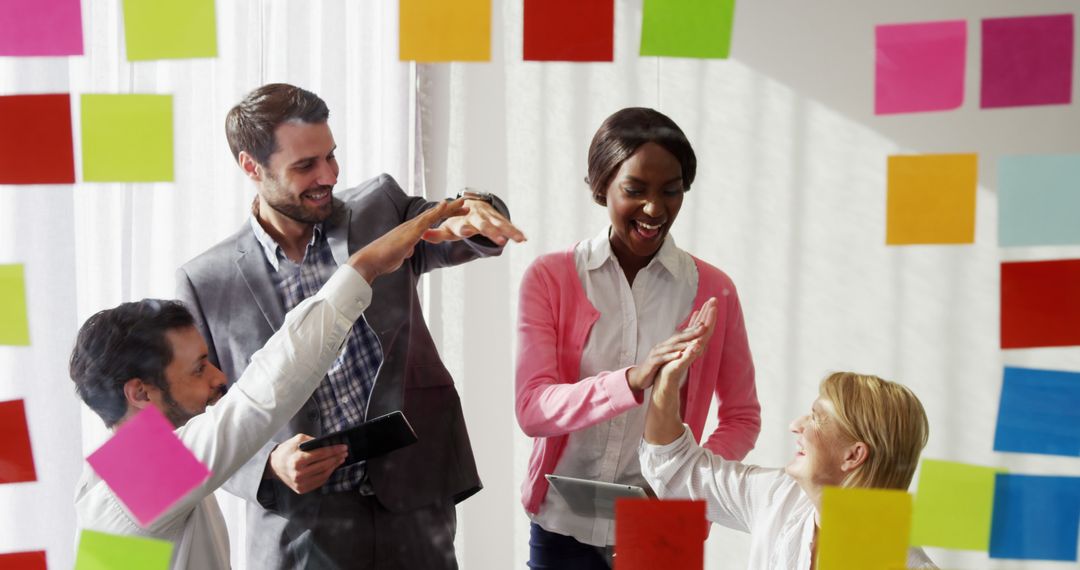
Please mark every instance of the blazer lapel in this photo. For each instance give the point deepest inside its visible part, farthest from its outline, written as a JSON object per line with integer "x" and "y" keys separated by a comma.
{"x": 337, "y": 232}
{"x": 252, "y": 267}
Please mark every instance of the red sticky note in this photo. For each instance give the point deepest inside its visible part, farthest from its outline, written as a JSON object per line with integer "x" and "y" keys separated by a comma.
{"x": 1027, "y": 61}
{"x": 40, "y": 27}
{"x": 569, "y": 30}
{"x": 652, "y": 534}
{"x": 35, "y": 143}
{"x": 1040, "y": 303}
{"x": 16, "y": 458}
{"x": 23, "y": 560}
{"x": 147, "y": 465}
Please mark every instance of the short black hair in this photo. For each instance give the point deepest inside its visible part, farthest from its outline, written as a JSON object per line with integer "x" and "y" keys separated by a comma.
{"x": 251, "y": 123}
{"x": 622, "y": 134}
{"x": 116, "y": 345}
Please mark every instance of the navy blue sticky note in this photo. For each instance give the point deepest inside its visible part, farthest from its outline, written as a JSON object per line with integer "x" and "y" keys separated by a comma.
{"x": 1035, "y": 517}
{"x": 1039, "y": 412}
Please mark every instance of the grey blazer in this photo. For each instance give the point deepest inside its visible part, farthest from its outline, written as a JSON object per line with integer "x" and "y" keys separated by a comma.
{"x": 236, "y": 308}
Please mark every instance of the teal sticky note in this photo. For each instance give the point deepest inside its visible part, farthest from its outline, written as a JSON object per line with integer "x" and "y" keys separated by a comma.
{"x": 687, "y": 28}
{"x": 1039, "y": 200}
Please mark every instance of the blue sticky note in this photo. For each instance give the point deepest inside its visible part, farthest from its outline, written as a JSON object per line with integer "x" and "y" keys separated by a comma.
{"x": 1039, "y": 412}
{"x": 1038, "y": 200}
{"x": 1035, "y": 517}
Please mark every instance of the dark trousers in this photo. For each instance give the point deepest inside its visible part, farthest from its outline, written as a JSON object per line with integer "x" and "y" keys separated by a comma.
{"x": 354, "y": 531}
{"x": 550, "y": 550}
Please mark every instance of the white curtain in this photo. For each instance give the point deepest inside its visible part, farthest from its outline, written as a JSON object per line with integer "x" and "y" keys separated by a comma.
{"x": 90, "y": 246}
{"x": 789, "y": 201}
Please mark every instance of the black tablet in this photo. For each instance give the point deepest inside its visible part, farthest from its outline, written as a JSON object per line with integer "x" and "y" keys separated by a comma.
{"x": 372, "y": 438}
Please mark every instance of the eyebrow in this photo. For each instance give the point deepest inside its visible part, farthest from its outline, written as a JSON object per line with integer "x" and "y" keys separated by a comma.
{"x": 299, "y": 161}
{"x": 640, "y": 181}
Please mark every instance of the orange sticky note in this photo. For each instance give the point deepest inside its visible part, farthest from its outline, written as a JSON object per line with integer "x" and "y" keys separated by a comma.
{"x": 16, "y": 458}
{"x": 652, "y": 534}
{"x": 437, "y": 30}
{"x": 931, "y": 199}
{"x": 866, "y": 529}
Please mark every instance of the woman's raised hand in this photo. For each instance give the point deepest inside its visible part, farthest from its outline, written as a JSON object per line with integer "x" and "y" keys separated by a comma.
{"x": 696, "y": 333}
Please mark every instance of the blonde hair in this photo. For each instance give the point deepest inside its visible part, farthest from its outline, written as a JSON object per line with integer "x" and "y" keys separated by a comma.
{"x": 888, "y": 418}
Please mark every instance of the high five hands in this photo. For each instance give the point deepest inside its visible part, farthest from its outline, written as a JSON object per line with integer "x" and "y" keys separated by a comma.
{"x": 678, "y": 351}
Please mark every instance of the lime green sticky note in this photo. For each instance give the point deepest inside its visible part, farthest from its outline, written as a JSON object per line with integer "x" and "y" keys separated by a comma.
{"x": 168, "y": 29}
{"x": 687, "y": 28}
{"x": 14, "y": 326}
{"x": 127, "y": 138}
{"x": 866, "y": 529}
{"x": 953, "y": 506}
{"x": 101, "y": 551}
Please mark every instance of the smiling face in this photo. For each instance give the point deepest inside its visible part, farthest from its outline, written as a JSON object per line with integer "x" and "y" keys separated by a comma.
{"x": 822, "y": 450}
{"x": 299, "y": 177}
{"x": 643, "y": 200}
{"x": 194, "y": 383}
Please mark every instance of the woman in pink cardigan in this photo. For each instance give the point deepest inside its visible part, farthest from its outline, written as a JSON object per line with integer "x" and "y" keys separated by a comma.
{"x": 596, "y": 323}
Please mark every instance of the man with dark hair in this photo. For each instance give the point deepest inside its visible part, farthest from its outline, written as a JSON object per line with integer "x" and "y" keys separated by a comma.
{"x": 395, "y": 511}
{"x": 149, "y": 353}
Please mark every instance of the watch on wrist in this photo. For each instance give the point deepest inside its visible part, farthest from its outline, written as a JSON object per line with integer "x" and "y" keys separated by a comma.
{"x": 474, "y": 194}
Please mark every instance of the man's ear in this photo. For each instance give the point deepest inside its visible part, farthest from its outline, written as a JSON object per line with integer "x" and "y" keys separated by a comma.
{"x": 136, "y": 395}
{"x": 251, "y": 167}
{"x": 856, "y": 454}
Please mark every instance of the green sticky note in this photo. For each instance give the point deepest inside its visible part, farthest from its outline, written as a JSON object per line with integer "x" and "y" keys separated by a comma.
{"x": 101, "y": 551}
{"x": 687, "y": 28}
{"x": 127, "y": 138}
{"x": 866, "y": 529}
{"x": 167, "y": 29}
{"x": 14, "y": 326}
{"x": 953, "y": 506}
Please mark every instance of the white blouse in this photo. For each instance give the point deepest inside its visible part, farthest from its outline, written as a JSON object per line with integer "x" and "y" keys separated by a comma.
{"x": 767, "y": 503}
{"x": 632, "y": 320}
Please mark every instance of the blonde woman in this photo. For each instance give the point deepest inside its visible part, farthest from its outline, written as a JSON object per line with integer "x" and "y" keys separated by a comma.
{"x": 861, "y": 431}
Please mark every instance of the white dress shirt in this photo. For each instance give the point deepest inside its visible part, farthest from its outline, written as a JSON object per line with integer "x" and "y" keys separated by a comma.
{"x": 632, "y": 321}
{"x": 281, "y": 377}
{"x": 767, "y": 503}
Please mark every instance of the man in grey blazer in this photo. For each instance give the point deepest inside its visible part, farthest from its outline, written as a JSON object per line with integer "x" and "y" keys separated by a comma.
{"x": 395, "y": 511}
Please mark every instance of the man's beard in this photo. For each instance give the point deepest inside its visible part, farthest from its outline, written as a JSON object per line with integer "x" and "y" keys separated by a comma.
{"x": 297, "y": 211}
{"x": 176, "y": 414}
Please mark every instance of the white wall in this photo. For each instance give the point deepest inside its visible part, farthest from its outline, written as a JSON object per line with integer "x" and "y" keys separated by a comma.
{"x": 790, "y": 201}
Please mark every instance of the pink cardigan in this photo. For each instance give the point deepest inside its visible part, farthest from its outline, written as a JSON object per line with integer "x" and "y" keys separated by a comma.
{"x": 552, "y": 400}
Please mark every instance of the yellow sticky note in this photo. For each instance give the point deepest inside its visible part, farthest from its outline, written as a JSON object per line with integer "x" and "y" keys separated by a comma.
{"x": 953, "y": 506}
{"x": 14, "y": 326}
{"x": 863, "y": 528}
{"x": 102, "y": 551}
{"x": 127, "y": 138}
{"x": 931, "y": 199}
{"x": 162, "y": 29}
{"x": 440, "y": 30}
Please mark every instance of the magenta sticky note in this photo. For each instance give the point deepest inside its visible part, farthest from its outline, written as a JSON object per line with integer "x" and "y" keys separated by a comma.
{"x": 147, "y": 466}
{"x": 919, "y": 66}
{"x": 40, "y": 27}
{"x": 1027, "y": 61}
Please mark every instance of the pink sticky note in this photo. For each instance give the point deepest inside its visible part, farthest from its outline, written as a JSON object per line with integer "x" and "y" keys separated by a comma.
{"x": 1027, "y": 61}
{"x": 147, "y": 466}
{"x": 920, "y": 67}
{"x": 40, "y": 27}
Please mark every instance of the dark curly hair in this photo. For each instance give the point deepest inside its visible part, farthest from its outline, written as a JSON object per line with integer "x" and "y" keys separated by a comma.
{"x": 116, "y": 345}
{"x": 625, "y": 131}
{"x": 250, "y": 125}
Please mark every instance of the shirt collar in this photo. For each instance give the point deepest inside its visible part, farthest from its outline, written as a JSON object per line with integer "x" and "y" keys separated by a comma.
{"x": 270, "y": 248}
{"x": 670, "y": 257}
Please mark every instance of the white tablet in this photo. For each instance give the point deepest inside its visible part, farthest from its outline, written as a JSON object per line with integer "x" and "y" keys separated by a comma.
{"x": 593, "y": 498}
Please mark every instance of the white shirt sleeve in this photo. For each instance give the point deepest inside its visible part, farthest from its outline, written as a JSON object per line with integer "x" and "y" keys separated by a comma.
{"x": 733, "y": 492}
{"x": 281, "y": 377}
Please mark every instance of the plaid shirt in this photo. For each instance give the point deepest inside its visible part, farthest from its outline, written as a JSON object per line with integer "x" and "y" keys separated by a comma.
{"x": 343, "y": 395}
